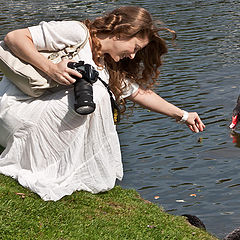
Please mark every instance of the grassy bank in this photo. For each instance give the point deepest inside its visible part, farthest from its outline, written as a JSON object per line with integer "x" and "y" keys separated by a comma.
{"x": 118, "y": 214}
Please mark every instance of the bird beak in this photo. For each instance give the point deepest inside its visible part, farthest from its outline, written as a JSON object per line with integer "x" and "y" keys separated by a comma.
{"x": 234, "y": 122}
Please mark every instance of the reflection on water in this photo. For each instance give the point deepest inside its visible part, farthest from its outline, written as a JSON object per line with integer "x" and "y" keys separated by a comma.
{"x": 201, "y": 73}
{"x": 235, "y": 138}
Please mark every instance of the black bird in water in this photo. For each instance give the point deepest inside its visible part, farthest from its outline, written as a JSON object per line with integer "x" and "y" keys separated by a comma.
{"x": 235, "y": 114}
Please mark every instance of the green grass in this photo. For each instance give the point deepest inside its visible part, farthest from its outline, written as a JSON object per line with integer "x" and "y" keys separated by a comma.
{"x": 117, "y": 214}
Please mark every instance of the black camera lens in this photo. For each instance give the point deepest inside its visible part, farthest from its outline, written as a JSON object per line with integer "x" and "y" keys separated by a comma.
{"x": 83, "y": 87}
{"x": 84, "y": 97}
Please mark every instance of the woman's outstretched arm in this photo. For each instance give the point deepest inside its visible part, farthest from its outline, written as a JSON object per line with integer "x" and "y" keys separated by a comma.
{"x": 150, "y": 100}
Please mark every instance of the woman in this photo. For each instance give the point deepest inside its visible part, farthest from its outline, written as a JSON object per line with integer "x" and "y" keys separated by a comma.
{"x": 51, "y": 149}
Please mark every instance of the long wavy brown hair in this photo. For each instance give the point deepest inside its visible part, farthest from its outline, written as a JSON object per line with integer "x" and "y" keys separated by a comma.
{"x": 128, "y": 22}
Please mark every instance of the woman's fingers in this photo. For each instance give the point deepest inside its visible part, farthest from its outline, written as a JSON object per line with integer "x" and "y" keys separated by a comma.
{"x": 64, "y": 75}
{"x": 65, "y": 79}
{"x": 200, "y": 124}
{"x": 74, "y": 73}
{"x": 194, "y": 123}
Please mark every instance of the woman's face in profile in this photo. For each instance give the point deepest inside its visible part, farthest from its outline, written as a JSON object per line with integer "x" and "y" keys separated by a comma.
{"x": 126, "y": 48}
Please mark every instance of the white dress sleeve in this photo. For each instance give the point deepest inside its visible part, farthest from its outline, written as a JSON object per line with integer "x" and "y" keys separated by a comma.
{"x": 131, "y": 87}
{"x": 57, "y": 35}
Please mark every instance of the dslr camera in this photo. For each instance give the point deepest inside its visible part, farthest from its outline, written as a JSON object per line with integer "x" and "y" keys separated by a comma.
{"x": 83, "y": 90}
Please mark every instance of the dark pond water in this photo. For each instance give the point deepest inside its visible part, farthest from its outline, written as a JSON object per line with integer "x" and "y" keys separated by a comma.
{"x": 201, "y": 73}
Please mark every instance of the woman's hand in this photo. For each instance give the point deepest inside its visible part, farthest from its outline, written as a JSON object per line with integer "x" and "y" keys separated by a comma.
{"x": 194, "y": 122}
{"x": 62, "y": 74}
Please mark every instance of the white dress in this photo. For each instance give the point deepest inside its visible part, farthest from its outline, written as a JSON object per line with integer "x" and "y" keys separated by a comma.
{"x": 49, "y": 148}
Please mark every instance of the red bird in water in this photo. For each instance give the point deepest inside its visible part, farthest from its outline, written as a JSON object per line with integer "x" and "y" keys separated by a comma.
{"x": 235, "y": 114}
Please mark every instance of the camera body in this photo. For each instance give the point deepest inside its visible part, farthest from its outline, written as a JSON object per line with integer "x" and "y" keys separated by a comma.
{"x": 83, "y": 90}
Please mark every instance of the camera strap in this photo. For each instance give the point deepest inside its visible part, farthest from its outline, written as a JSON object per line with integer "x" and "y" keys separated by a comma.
{"x": 115, "y": 108}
